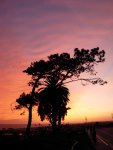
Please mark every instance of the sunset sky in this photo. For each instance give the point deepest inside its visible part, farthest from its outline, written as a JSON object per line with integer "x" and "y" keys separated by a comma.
{"x": 31, "y": 30}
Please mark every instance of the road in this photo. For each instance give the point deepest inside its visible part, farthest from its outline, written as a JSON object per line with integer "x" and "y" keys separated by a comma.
{"x": 104, "y": 139}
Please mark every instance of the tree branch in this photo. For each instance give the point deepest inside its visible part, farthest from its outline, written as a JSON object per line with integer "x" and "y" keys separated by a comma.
{"x": 91, "y": 80}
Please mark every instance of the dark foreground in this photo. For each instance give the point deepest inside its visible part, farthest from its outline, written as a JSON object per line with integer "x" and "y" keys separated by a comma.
{"x": 70, "y": 138}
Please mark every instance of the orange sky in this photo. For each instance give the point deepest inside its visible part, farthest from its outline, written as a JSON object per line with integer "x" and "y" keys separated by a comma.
{"x": 32, "y": 30}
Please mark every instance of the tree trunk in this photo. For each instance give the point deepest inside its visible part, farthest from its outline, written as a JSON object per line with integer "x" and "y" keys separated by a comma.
{"x": 59, "y": 123}
{"x": 54, "y": 126}
{"x": 30, "y": 110}
{"x": 29, "y": 121}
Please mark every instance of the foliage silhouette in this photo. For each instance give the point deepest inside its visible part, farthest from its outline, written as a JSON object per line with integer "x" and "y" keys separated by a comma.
{"x": 26, "y": 101}
{"x": 49, "y": 77}
{"x": 52, "y": 102}
{"x": 37, "y": 75}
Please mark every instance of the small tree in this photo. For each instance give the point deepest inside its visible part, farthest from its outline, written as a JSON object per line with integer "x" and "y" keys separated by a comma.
{"x": 25, "y": 101}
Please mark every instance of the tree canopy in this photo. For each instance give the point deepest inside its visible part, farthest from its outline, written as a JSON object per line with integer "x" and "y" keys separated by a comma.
{"x": 66, "y": 68}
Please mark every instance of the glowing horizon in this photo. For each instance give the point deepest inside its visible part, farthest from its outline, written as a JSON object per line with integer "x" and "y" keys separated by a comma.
{"x": 32, "y": 30}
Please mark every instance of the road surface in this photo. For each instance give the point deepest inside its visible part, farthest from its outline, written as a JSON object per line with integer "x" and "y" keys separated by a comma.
{"x": 104, "y": 139}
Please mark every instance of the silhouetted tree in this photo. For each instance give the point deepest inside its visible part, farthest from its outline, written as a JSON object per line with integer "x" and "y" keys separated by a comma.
{"x": 37, "y": 71}
{"x": 52, "y": 102}
{"x": 64, "y": 69}
{"x": 58, "y": 70}
{"x": 25, "y": 101}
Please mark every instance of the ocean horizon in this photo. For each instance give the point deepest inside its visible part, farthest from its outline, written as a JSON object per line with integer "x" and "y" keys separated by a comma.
{"x": 15, "y": 126}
